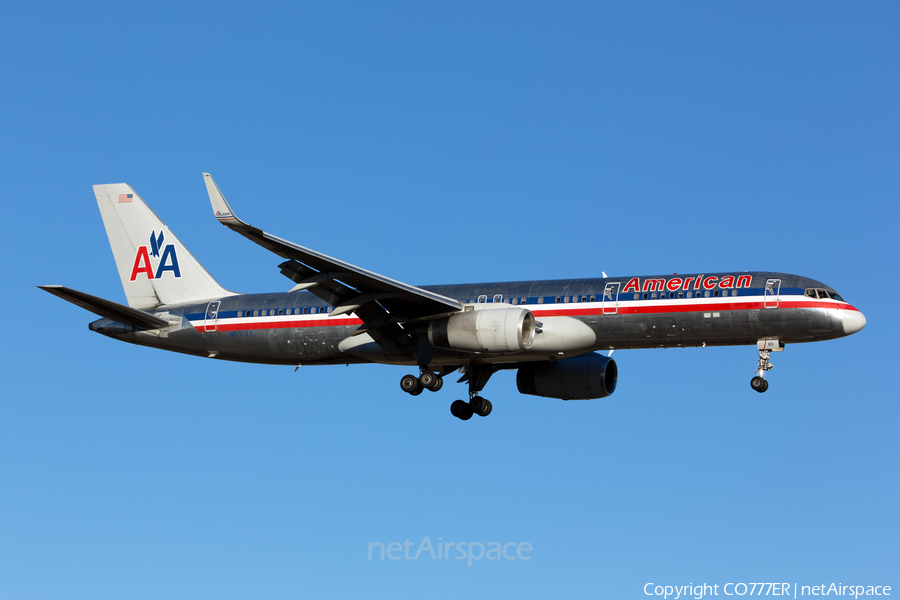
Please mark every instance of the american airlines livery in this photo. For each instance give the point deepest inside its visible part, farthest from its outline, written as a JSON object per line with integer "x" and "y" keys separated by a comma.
{"x": 337, "y": 313}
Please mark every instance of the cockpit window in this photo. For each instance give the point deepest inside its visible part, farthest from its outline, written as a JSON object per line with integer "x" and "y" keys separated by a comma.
{"x": 825, "y": 294}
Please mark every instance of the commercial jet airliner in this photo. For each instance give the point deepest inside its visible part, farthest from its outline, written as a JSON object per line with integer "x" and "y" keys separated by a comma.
{"x": 550, "y": 332}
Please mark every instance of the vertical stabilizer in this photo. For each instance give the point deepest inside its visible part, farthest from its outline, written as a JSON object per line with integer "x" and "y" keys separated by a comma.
{"x": 153, "y": 264}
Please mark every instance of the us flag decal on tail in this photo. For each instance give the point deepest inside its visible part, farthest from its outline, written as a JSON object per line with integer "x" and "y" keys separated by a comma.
{"x": 125, "y": 198}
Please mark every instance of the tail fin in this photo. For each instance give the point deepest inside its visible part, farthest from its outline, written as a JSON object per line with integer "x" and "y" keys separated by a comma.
{"x": 153, "y": 264}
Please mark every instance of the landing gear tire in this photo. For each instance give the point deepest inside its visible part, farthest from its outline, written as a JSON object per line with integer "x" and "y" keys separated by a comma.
{"x": 461, "y": 410}
{"x": 428, "y": 380}
{"x": 438, "y": 384}
{"x": 481, "y": 406}
{"x": 410, "y": 384}
{"x": 759, "y": 384}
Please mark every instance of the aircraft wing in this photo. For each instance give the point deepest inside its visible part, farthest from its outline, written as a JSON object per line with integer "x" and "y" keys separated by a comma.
{"x": 374, "y": 298}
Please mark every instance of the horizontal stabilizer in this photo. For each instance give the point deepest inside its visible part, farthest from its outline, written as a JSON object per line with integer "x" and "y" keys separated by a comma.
{"x": 107, "y": 308}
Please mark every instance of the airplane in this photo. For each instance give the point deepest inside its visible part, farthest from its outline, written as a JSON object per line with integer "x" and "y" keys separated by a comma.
{"x": 551, "y": 332}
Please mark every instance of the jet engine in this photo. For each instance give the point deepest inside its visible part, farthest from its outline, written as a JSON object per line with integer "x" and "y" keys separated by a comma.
{"x": 579, "y": 378}
{"x": 487, "y": 330}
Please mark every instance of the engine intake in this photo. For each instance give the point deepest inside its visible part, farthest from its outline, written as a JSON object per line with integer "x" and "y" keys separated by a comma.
{"x": 487, "y": 330}
{"x": 579, "y": 378}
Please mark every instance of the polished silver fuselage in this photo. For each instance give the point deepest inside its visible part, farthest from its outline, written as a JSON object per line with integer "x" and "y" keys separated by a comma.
{"x": 623, "y": 312}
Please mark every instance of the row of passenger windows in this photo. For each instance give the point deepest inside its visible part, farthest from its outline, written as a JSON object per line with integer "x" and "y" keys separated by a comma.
{"x": 271, "y": 312}
{"x": 813, "y": 293}
{"x": 594, "y": 297}
{"x": 706, "y": 294}
{"x": 535, "y": 300}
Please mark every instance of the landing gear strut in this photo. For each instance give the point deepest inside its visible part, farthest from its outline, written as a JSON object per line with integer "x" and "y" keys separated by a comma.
{"x": 759, "y": 383}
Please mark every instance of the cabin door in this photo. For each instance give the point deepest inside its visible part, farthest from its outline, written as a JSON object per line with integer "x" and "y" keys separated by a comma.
{"x": 773, "y": 288}
{"x": 212, "y": 316}
{"x": 611, "y": 298}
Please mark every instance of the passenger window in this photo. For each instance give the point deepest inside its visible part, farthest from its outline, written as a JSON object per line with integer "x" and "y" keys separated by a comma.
{"x": 557, "y": 299}
{"x": 498, "y": 298}
{"x": 716, "y": 293}
{"x": 515, "y": 301}
{"x": 637, "y": 296}
{"x": 240, "y": 313}
{"x": 482, "y": 299}
{"x": 653, "y": 296}
{"x": 255, "y": 313}
{"x": 306, "y": 311}
{"x": 706, "y": 294}
{"x": 584, "y": 298}
{"x": 681, "y": 294}
{"x": 524, "y": 300}
{"x": 280, "y": 311}
{"x": 540, "y": 299}
{"x": 690, "y": 294}
{"x": 645, "y": 296}
{"x": 593, "y": 298}
{"x": 574, "y": 298}
{"x": 565, "y": 298}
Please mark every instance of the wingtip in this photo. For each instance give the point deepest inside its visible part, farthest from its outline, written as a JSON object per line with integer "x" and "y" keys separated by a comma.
{"x": 221, "y": 209}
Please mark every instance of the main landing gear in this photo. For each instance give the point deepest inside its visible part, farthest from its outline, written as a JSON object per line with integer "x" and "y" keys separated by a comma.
{"x": 759, "y": 382}
{"x": 475, "y": 406}
{"x": 476, "y": 375}
{"x": 425, "y": 381}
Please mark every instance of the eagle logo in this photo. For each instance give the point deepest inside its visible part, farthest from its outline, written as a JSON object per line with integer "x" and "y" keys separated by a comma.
{"x": 156, "y": 243}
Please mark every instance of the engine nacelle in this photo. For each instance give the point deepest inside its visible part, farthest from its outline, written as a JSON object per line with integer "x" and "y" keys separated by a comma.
{"x": 579, "y": 378}
{"x": 486, "y": 330}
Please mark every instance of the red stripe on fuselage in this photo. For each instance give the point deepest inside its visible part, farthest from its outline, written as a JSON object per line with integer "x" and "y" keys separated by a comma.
{"x": 626, "y": 309}
{"x": 224, "y": 325}
{"x": 623, "y": 309}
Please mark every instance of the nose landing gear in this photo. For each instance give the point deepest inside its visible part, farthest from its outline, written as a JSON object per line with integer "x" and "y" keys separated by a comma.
{"x": 759, "y": 383}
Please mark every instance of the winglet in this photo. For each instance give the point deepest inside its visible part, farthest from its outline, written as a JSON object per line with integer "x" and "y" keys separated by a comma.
{"x": 220, "y": 207}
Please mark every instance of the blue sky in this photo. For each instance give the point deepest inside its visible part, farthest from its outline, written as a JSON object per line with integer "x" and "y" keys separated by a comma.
{"x": 448, "y": 144}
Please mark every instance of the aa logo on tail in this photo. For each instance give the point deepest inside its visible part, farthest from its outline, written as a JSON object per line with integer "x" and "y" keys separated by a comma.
{"x": 167, "y": 262}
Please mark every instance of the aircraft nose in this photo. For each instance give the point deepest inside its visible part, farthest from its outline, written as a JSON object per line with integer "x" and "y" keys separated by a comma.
{"x": 854, "y": 320}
